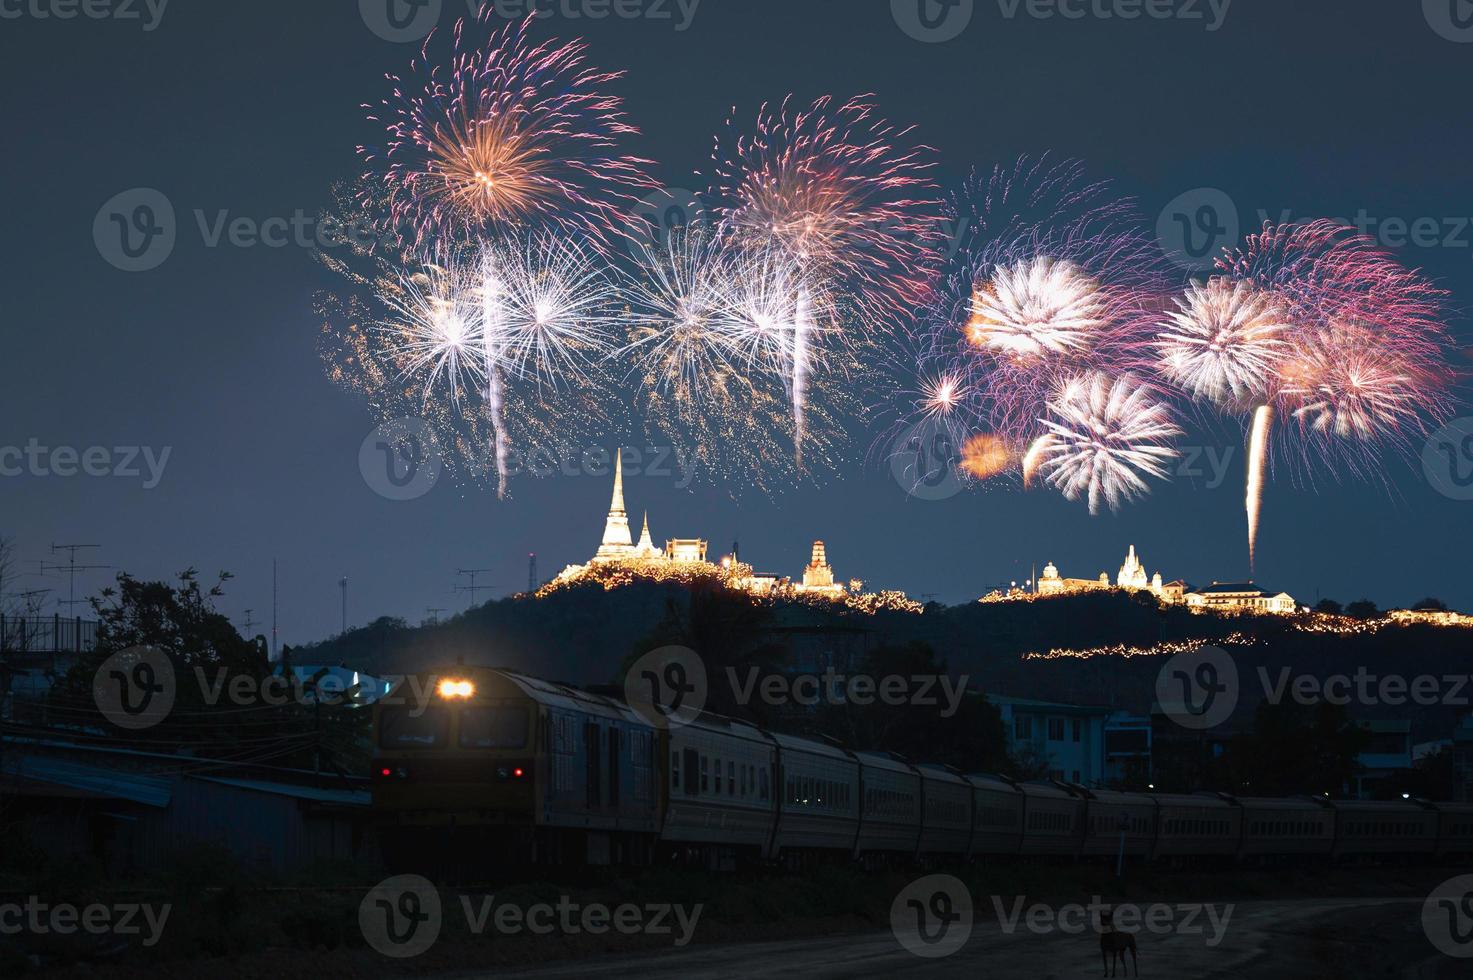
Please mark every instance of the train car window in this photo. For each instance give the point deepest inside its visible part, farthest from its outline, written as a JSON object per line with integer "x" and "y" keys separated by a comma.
{"x": 717, "y": 790}
{"x": 675, "y": 769}
{"x": 613, "y": 767}
{"x": 705, "y": 781}
{"x": 408, "y": 728}
{"x": 731, "y": 776}
{"x": 502, "y": 727}
{"x": 690, "y": 772}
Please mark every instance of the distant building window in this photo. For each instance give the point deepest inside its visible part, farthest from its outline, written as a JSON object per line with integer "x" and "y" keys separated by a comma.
{"x": 1075, "y": 727}
{"x": 1056, "y": 729}
{"x": 1022, "y": 727}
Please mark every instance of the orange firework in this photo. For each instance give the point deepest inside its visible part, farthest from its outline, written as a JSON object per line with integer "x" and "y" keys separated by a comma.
{"x": 986, "y": 455}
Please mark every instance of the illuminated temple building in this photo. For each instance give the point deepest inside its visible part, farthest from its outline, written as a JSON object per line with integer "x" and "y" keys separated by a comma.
{"x": 1219, "y": 596}
{"x": 618, "y": 550}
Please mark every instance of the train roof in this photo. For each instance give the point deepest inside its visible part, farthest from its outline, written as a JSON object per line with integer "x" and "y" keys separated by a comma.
{"x": 984, "y": 780}
{"x": 881, "y": 760}
{"x": 796, "y": 744}
{"x": 1046, "y": 791}
{"x": 930, "y": 770}
{"x": 565, "y": 696}
{"x": 729, "y": 726}
{"x": 1207, "y": 800}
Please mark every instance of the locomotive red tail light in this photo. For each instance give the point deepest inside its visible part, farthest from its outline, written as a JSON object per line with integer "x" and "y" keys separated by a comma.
{"x": 518, "y": 772}
{"x": 386, "y": 772}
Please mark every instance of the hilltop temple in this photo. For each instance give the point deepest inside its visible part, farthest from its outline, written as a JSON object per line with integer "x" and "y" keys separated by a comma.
{"x": 1219, "y": 596}
{"x": 618, "y": 549}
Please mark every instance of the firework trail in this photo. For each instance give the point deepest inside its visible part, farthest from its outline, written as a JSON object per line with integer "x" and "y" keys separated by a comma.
{"x": 712, "y": 344}
{"x": 847, "y": 196}
{"x": 504, "y": 136}
{"x": 1316, "y": 327}
{"x": 510, "y": 146}
{"x": 1263, "y": 419}
{"x": 1105, "y": 435}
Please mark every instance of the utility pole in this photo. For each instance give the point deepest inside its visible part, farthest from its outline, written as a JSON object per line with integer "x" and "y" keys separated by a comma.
{"x": 532, "y": 582}
{"x": 273, "y": 609}
{"x": 71, "y": 568}
{"x": 343, "y": 584}
{"x": 434, "y": 612}
{"x": 248, "y": 623}
{"x": 473, "y": 588}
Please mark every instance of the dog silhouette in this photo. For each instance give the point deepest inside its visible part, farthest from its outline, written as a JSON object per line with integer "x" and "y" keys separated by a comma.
{"x": 1113, "y": 945}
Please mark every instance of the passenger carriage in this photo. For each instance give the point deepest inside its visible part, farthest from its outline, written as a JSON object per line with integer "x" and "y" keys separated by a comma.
{"x": 818, "y": 802}
{"x": 1286, "y": 826}
{"x": 946, "y": 811}
{"x": 997, "y": 816}
{"x": 890, "y": 805}
{"x": 719, "y": 785}
{"x": 1364, "y": 828}
{"x": 1053, "y": 820}
{"x": 1110, "y": 816}
{"x": 1454, "y": 829}
{"x": 1196, "y": 825}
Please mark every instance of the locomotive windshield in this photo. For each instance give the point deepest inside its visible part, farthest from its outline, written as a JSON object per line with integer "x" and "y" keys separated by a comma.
{"x": 413, "y": 728}
{"x": 503, "y": 727}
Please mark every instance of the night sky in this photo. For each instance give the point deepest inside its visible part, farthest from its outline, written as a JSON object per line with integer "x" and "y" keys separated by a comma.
{"x": 1316, "y": 107}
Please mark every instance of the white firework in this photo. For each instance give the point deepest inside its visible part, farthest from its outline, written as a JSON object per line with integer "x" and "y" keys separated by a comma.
{"x": 556, "y": 314}
{"x": 1104, "y": 436}
{"x": 680, "y": 304}
{"x": 433, "y": 330}
{"x": 1224, "y": 342}
{"x": 1038, "y": 307}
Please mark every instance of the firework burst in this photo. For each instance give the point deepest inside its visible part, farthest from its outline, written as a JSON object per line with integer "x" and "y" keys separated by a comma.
{"x": 1224, "y": 342}
{"x": 849, "y": 199}
{"x": 510, "y": 134}
{"x": 1104, "y": 437}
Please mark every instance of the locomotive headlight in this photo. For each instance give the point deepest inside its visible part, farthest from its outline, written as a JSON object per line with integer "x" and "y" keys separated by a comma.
{"x": 450, "y": 688}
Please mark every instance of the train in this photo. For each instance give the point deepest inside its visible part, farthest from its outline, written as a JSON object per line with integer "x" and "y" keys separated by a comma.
{"x": 543, "y": 772}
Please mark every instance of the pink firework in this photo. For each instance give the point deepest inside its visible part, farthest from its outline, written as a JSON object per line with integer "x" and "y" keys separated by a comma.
{"x": 1056, "y": 277}
{"x": 846, "y": 193}
{"x": 508, "y": 134}
{"x": 1366, "y": 366}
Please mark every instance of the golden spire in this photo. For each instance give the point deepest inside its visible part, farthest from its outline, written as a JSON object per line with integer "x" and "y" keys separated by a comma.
{"x": 617, "y": 543}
